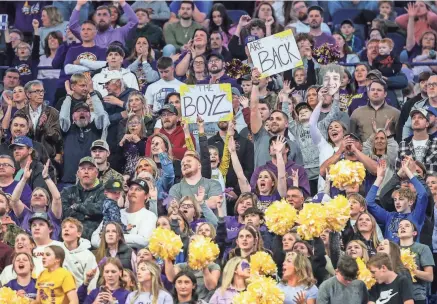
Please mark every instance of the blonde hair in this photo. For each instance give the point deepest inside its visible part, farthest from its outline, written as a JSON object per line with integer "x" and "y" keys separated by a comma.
{"x": 151, "y": 163}
{"x": 229, "y": 272}
{"x": 146, "y": 109}
{"x": 167, "y": 143}
{"x": 211, "y": 227}
{"x": 75, "y": 78}
{"x": 132, "y": 278}
{"x": 387, "y": 41}
{"x": 54, "y": 15}
{"x": 374, "y": 234}
{"x": 197, "y": 209}
{"x": 29, "y": 257}
{"x": 157, "y": 285}
{"x": 303, "y": 269}
{"x": 363, "y": 247}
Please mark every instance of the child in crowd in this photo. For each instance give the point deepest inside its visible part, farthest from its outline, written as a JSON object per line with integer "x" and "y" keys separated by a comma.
{"x": 255, "y": 217}
{"x": 386, "y": 11}
{"x": 387, "y": 62}
{"x": 246, "y": 84}
{"x": 111, "y": 211}
{"x": 347, "y": 28}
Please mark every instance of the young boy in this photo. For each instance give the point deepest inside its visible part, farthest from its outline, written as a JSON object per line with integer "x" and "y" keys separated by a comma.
{"x": 386, "y": 62}
{"x": 424, "y": 260}
{"x": 390, "y": 287}
{"x": 111, "y": 211}
{"x": 255, "y": 217}
{"x": 347, "y": 28}
{"x": 246, "y": 85}
{"x": 386, "y": 11}
{"x": 404, "y": 200}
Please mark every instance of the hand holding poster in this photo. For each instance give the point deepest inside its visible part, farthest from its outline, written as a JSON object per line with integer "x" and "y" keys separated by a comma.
{"x": 213, "y": 102}
{"x": 275, "y": 54}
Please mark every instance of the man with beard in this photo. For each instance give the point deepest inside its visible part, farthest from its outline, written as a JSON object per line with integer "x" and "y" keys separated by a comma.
{"x": 216, "y": 69}
{"x": 143, "y": 221}
{"x": 24, "y": 155}
{"x": 431, "y": 101}
{"x": 420, "y": 146}
{"x": 70, "y": 57}
{"x": 83, "y": 200}
{"x": 45, "y": 126}
{"x": 315, "y": 20}
{"x": 11, "y": 79}
{"x": 300, "y": 9}
{"x": 100, "y": 153}
{"x": 106, "y": 33}
{"x": 177, "y": 35}
{"x": 146, "y": 28}
{"x": 377, "y": 111}
{"x": 406, "y": 108}
{"x": 173, "y": 131}
{"x": 193, "y": 184}
{"x": 278, "y": 126}
{"x": 79, "y": 135}
{"x": 7, "y": 182}
{"x": 217, "y": 47}
{"x": 370, "y": 52}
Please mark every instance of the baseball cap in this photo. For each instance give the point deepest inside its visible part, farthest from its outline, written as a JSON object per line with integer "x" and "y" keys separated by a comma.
{"x": 374, "y": 73}
{"x": 302, "y": 105}
{"x": 113, "y": 185}
{"x": 170, "y": 108}
{"x": 250, "y": 39}
{"x": 112, "y": 75}
{"x": 22, "y": 141}
{"x": 235, "y": 91}
{"x": 87, "y": 159}
{"x": 141, "y": 183}
{"x": 101, "y": 144}
{"x": 422, "y": 111}
{"x": 214, "y": 54}
{"x": 81, "y": 105}
{"x": 40, "y": 216}
{"x": 353, "y": 135}
{"x": 347, "y": 21}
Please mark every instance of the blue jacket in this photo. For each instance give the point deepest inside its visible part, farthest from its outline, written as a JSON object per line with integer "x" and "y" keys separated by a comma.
{"x": 390, "y": 220}
{"x": 166, "y": 180}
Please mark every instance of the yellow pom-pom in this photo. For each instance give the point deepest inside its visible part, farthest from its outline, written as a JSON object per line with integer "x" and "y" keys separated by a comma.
{"x": 8, "y": 296}
{"x": 312, "y": 221}
{"x": 202, "y": 252}
{"x": 164, "y": 243}
{"x": 408, "y": 259}
{"x": 22, "y": 300}
{"x": 244, "y": 297}
{"x": 346, "y": 173}
{"x": 265, "y": 291}
{"x": 280, "y": 217}
{"x": 364, "y": 274}
{"x": 261, "y": 263}
{"x": 338, "y": 210}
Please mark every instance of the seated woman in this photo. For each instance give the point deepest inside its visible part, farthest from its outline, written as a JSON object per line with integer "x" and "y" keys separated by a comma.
{"x": 198, "y": 70}
{"x": 266, "y": 13}
{"x": 12, "y": 103}
{"x": 112, "y": 287}
{"x": 346, "y": 54}
{"x": 185, "y": 290}
{"x": 298, "y": 281}
{"x": 234, "y": 281}
{"x": 150, "y": 286}
{"x": 317, "y": 257}
{"x": 365, "y": 231}
{"x": 51, "y": 45}
{"x": 24, "y": 284}
{"x": 137, "y": 105}
{"x": 282, "y": 245}
{"x": 112, "y": 244}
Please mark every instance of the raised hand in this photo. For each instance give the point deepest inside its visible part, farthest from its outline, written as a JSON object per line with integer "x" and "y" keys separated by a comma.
{"x": 322, "y": 93}
{"x": 45, "y": 171}
{"x": 81, "y": 3}
{"x": 256, "y": 74}
{"x": 35, "y": 25}
{"x": 231, "y": 128}
{"x": 244, "y": 20}
{"x": 27, "y": 171}
{"x": 411, "y": 10}
{"x": 200, "y": 196}
{"x": 90, "y": 275}
{"x": 374, "y": 128}
{"x": 244, "y": 101}
{"x": 279, "y": 144}
{"x": 200, "y": 124}
{"x": 387, "y": 126}
{"x": 269, "y": 22}
{"x": 231, "y": 145}
{"x": 153, "y": 191}
{"x": 295, "y": 177}
{"x": 7, "y": 98}
{"x": 381, "y": 168}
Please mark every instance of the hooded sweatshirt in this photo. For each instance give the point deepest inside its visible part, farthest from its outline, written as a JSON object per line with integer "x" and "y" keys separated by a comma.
{"x": 82, "y": 261}
{"x": 129, "y": 79}
{"x": 177, "y": 139}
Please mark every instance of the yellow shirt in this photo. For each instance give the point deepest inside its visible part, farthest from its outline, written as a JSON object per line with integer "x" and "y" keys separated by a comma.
{"x": 53, "y": 286}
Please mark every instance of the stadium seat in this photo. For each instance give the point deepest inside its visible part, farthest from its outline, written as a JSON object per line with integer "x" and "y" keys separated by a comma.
{"x": 400, "y": 10}
{"x": 50, "y": 89}
{"x": 399, "y": 41}
{"x": 343, "y": 14}
{"x": 236, "y": 14}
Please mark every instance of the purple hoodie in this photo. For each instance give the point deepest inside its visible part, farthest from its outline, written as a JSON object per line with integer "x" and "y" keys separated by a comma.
{"x": 104, "y": 39}
{"x": 120, "y": 295}
{"x": 304, "y": 184}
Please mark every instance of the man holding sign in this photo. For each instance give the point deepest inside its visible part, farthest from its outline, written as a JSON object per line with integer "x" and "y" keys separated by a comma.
{"x": 213, "y": 102}
{"x": 275, "y": 54}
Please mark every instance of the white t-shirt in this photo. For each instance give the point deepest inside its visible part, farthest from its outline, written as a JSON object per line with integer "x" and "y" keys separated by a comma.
{"x": 144, "y": 221}
{"x": 157, "y": 91}
{"x": 420, "y": 149}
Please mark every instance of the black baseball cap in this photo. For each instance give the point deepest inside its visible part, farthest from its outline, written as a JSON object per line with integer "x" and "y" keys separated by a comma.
{"x": 214, "y": 54}
{"x": 170, "y": 108}
{"x": 353, "y": 135}
{"x": 81, "y": 105}
{"x": 140, "y": 182}
{"x": 40, "y": 216}
{"x": 347, "y": 21}
{"x": 114, "y": 185}
{"x": 302, "y": 105}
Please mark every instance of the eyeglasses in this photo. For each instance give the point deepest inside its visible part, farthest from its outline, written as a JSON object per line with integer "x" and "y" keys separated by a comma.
{"x": 133, "y": 123}
{"x": 432, "y": 85}
{"x": 186, "y": 206}
{"x": 4, "y": 165}
{"x": 38, "y": 91}
{"x": 214, "y": 60}
{"x": 199, "y": 62}
{"x": 168, "y": 114}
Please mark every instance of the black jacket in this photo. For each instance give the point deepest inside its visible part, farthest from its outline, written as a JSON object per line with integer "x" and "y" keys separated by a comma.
{"x": 405, "y": 113}
{"x": 245, "y": 152}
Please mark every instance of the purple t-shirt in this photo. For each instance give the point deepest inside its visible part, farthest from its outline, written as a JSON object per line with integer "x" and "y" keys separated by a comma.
{"x": 323, "y": 38}
{"x": 56, "y": 223}
{"x": 267, "y": 200}
{"x": 29, "y": 289}
{"x": 25, "y": 195}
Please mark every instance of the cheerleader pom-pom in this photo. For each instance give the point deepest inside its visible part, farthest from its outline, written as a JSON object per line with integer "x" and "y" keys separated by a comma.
{"x": 164, "y": 243}
{"x": 244, "y": 297}
{"x": 236, "y": 69}
{"x": 263, "y": 290}
{"x": 8, "y": 296}
{"x": 312, "y": 221}
{"x": 326, "y": 54}
{"x": 202, "y": 252}
{"x": 364, "y": 274}
{"x": 261, "y": 263}
{"x": 280, "y": 217}
{"x": 347, "y": 173}
{"x": 408, "y": 259}
{"x": 22, "y": 300}
{"x": 338, "y": 213}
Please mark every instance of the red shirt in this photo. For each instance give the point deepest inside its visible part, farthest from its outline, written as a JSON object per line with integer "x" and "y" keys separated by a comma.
{"x": 177, "y": 140}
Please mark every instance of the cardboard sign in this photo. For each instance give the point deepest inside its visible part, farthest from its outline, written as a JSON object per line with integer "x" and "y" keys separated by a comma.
{"x": 275, "y": 54}
{"x": 213, "y": 102}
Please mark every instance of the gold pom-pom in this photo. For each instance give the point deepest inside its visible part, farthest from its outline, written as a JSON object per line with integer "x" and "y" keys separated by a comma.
{"x": 244, "y": 297}
{"x": 261, "y": 263}
{"x": 364, "y": 274}
{"x": 164, "y": 243}
{"x": 312, "y": 220}
{"x": 202, "y": 252}
{"x": 9, "y": 296}
{"x": 408, "y": 259}
{"x": 263, "y": 290}
{"x": 338, "y": 210}
{"x": 280, "y": 217}
{"x": 22, "y": 300}
{"x": 346, "y": 173}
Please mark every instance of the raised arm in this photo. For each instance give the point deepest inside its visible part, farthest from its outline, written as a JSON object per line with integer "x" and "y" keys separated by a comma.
{"x": 411, "y": 13}
{"x": 56, "y": 195}
{"x": 381, "y": 215}
{"x": 279, "y": 146}
{"x": 15, "y": 202}
{"x": 316, "y": 135}
{"x": 255, "y": 117}
{"x": 242, "y": 180}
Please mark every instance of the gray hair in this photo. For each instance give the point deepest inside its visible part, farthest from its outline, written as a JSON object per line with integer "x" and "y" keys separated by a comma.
{"x": 28, "y": 86}
{"x": 332, "y": 67}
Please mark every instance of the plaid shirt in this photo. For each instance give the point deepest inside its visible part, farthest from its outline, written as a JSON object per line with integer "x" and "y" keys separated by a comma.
{"x": 430, "y": 161}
